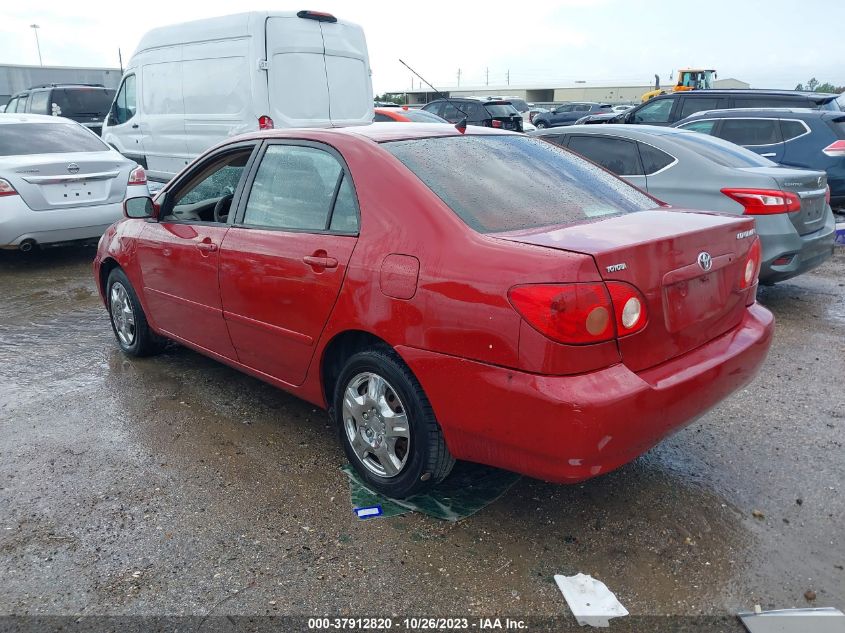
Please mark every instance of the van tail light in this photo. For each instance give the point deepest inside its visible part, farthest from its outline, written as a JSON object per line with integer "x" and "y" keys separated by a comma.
{"x": 836, "y": 149}
{"x": 751, "y": 268}
{"x": 628, "y": 307}
{"x": 320, "y": 16}
{"x": 6, "y": 188}
{"x": 495, "y": 123}
{"x": 265, "y": 123}
{"x": 576, "y": 314}
{"x": 764, "y": 201}
{"x": 137, "y": 176}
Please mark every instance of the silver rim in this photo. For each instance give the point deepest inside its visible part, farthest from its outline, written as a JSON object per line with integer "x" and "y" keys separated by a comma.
{"x": 376, "y": 424}
{"x": 122, "y": 315}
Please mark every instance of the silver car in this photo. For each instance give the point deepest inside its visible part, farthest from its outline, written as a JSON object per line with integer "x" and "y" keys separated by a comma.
{"x": 59, "y": 182}
{"x": 691, "y": 170}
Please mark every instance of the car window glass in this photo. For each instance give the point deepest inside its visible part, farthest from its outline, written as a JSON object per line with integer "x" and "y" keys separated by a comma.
{"x": 293, "y": 189}
{"x": 654, "y": 159}
{"x": 345, "y": 214}
{"x": 10, "y": 107}
{"x": 196, "y": 199}
{"x": 691, "y": 105}
{"x": 23, "y": 105}
{"x": 750, "y": 131}
{"x": 617, "y": 155}
{"x": 705, "y": 127}
{"x": 518, "y": 182}
{"x": 771, "y": 102}
{"x": 565, "y": 108}
{"x": 435, "y": 107}
{"x": 792, "y": 129}
{"x": 582, "y": 108}
{"x": 719, "y": 151}
{"x": 451, "y": 112}
{"x": 654, "y": 112}
{"x": 381, "y": 118}
{"x": 18, "y": 139}
{"x": 39, "y": 102}
{"x": 125, "y": 104}
{"x": 83, "y": 101}
{"x": 422, "y": 116}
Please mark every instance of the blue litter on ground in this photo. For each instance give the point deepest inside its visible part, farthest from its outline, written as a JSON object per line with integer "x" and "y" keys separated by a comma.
{"x": 840, "y": 234}
{"x": 366, "y": 513}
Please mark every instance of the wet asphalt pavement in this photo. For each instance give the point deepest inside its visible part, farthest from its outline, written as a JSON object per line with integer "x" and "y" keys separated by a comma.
{"x": 175, "y": 485}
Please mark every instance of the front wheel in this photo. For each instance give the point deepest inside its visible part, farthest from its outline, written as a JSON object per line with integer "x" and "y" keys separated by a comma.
{"x": 128, "y": 320}
{"x": 387, "y": 426}
{"x": 541, "y": 125}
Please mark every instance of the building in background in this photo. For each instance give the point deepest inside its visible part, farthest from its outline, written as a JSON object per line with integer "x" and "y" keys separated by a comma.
{"x": 578, "y": 91}
{"x": 15, "y": 78}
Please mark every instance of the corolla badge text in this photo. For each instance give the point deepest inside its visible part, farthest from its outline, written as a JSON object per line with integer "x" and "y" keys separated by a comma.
{"x": 744, "y": 234}
{"x": 617, "y": 267}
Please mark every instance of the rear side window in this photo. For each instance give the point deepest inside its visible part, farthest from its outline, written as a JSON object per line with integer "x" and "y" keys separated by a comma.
{"x": 39, "y": 102}
{"x": 773, "y": 102}
{"x": 721, "y": 152}
{"x": 617, "y": 155}
{"x": 691, "y": 105}
{"x": 792, "y": 129}
{"x": 750, "y": 131}
{"x": 507, "y": 183}
{"x": 654, "y": 159}
{"x": 451, "y": 112}
{"x": 382, "y": 118}
{"x": 295, "y": 188}
{"x": 47, "y": 138}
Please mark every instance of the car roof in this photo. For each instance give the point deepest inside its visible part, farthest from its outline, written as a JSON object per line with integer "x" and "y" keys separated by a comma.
{"x": 739, "y": 112}
{"x": 628, "y": 131}
{"x": 753, "y": 92}
{"x": 20, "y": 117}
{"x": 380, "y": 133}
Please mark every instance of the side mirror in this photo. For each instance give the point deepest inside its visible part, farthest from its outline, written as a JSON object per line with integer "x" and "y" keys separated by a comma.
{"x": 140, "y": 207}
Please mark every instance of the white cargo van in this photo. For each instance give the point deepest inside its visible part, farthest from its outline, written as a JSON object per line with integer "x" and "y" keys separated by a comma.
{"x": 191, "y": 85}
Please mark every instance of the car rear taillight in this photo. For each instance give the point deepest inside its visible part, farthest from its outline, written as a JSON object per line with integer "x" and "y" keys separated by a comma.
{"x": 265, "y": 123}
{"x": 576, "y": 314}
{"x": 6, "y": 188}
{"x": 837, "y": 149}
{"x": 320, "y": 16}
{"x": 495, "y": 123}
{"x": 628, "y": 307}
{"x": 137, "y": 176}
{"x": 751, "y": 268}
{"x": 764, "y": 201}
{"x": 827, "y": 194}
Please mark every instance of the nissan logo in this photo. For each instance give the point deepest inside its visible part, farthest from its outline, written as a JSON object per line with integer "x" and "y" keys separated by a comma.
{"x": 73, "y": 168}
{"x": 705, "y": 261}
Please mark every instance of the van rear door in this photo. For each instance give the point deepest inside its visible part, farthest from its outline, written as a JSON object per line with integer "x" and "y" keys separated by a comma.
{"x": 319, "y": 73}
{"x": 297, "y": 86}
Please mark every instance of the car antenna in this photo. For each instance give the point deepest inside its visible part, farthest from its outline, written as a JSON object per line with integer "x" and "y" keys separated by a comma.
{"x": 461, "y": 126}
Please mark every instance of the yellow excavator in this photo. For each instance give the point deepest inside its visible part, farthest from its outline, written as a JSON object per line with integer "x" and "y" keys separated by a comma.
{"x": 688, "y": 79}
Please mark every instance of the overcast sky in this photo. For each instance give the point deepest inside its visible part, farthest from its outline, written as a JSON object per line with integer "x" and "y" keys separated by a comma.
{"x": 771, "y": 43}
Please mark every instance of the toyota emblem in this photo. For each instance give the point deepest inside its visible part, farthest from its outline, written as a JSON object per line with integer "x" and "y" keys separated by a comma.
{"x": 73, "y": 168}
{"x": 705, "y": 261}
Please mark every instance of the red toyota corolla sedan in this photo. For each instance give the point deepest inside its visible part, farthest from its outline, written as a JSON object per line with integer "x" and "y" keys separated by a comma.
{"x": 482, "y": 296}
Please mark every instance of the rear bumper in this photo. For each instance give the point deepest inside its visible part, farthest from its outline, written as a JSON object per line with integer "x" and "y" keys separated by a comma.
{"x": 807, "y": 251}
{"x": 570, "y": 428}
{"x": 19, "y": 223}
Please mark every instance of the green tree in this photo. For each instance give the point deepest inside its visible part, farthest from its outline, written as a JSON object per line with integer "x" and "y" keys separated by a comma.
{"x": 812, "y": 84}
{"x": 392, "y": 97}
{"x": 826, "y": 87}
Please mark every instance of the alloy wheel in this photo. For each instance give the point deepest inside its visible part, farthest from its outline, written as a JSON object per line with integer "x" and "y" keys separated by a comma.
{"x": 122, "y": 315}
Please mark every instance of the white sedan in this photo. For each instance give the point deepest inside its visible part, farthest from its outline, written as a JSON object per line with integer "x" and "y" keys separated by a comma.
{"x": 59, "y": 182}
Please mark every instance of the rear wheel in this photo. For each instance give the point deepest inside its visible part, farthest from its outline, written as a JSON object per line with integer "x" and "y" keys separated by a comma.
{"x": 387, "y": 426}
{"x": 128, "y": 321}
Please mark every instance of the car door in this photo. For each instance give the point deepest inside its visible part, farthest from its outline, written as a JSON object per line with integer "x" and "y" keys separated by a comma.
{"x": 760, "y": 135}
{"x": 560, "y": 114}
{"x": 617, "y": 155}
{"x": 123, "y": 122}
{"x": 283, "y": 261}
{"x": 178, "y": 255}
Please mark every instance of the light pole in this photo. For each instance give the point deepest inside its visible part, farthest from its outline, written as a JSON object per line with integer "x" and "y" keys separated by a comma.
{"x": 35, "y": 28}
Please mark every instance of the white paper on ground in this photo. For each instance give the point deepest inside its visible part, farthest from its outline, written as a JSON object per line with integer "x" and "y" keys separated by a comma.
{"x": 589, "y": 599}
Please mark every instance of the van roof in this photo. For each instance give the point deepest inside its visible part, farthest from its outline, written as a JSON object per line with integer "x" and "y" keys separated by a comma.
{"x": 208, "y": 29}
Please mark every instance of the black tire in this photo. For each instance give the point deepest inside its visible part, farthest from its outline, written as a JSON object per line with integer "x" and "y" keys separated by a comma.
{"x": 143, "y": 341}
{"x": 541, "y": 125}
{"x": 428, "y": 459}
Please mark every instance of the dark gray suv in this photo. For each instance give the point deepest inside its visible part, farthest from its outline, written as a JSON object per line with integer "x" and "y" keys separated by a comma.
{"x": 568, "y": 113}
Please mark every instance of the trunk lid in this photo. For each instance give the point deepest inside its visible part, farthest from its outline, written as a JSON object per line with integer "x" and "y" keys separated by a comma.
{"x": 52, "y": 181}
{"x": 809, "y": 185}
{"x": 658, "y": 252}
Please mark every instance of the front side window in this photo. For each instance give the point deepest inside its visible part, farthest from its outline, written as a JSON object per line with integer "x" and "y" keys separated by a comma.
{"x": 654, "y": 112}
{"x": 507, "y": 183}
{"x": 125, "y": 105}
{"x": 750, "y": 131}
{"x": 297, "y": 188}
{"x": 13, "y": 103}
{"x": 207, "y": 195}
{"x": 19, "y": 139}
{"x": 617, "y": 155}
{"x": 38, "y": 105}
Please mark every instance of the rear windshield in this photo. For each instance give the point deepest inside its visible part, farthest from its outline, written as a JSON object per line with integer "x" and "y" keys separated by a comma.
{"x": 719, "y": 151}
{"x": 47, "y": 138}
{"x": 93, "y": 102}
{"x": 508, "y": 183}
{"x": 421, "y": 116}
{"x": 501, "y": 109}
